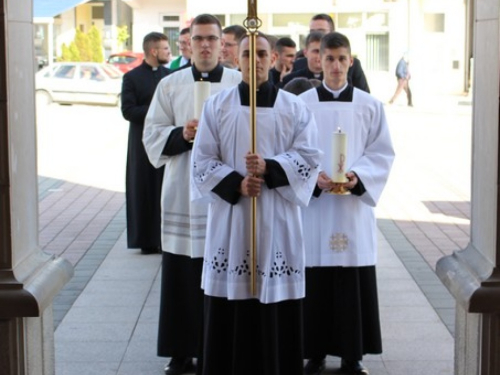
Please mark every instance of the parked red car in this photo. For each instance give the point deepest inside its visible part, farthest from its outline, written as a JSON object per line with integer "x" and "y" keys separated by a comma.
{"x": 126, "y": 60}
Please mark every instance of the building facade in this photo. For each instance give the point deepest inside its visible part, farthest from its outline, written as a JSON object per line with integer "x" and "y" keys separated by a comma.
{"x": 434, "y": 33}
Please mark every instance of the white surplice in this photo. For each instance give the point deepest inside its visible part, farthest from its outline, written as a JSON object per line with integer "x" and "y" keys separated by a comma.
{"x": 340, "y": 230}
{"x": 183, "y": 222}
{"x": 287, "y": 134}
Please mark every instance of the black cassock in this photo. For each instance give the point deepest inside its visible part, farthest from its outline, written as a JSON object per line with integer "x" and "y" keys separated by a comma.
{"x": 143, "y": 181}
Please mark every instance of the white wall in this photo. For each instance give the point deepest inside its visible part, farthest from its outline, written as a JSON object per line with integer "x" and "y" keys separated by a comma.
{"x": 147, "y": 17}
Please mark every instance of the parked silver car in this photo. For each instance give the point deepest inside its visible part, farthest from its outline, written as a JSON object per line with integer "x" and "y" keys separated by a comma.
{"x": 79, "y": 82}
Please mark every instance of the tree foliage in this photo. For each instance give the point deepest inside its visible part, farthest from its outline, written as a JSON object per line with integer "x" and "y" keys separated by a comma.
{"x": 84, "y": 47}
{"x": 123, "y": 34}
{"x": 83, "y": 44}
{"x": 95, "y": 41}
{"x": 69, "y": 53}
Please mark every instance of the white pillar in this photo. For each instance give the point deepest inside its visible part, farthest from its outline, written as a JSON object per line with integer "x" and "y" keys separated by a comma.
{"x": 29, "y": 278}
{"x": 472, "y": 274}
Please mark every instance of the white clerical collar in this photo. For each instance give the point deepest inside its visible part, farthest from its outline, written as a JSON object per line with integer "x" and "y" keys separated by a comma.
{"x": 205, "y": 74}
{"x": 336, "y": 93}
{"x": 184, "y": 61}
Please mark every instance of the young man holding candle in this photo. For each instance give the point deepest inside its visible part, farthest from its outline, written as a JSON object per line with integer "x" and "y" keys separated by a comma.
{"x": 170, "y": 126}
{"x": 341, "y": 316}
{"x": 254, "y": 332}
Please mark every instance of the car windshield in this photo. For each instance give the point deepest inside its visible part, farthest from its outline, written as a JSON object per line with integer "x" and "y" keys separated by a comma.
{"x": 63, "y": 71}
{"x": 112, "y": 72}
{"x": 120, "y": 59}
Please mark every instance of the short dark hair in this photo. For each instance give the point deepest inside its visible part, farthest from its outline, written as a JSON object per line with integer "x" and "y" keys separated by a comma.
{"x": 324, "y": 17}
{"x": 259, "y": 35}
{"x": 206, "y": 19}
{"x": 185, "y": 31}
{"x": 151, "y": 39}
{"x": 334, "y": 40}
{"x": 284, "y": 42}
{"x": 236, "y": 30}
{"x": 315, "y": 36}
{"x": 298, "y": 85}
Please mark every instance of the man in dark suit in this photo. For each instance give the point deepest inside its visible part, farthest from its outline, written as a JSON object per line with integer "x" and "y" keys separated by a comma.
{"x": 312, "y": 68}
{"x": 323, "y": 23}
{"x": 284, "y": 52}
{"x": 143, "y": 181}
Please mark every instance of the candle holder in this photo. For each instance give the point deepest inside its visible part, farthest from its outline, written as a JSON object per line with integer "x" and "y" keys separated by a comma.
{"x": 340, "y": 190}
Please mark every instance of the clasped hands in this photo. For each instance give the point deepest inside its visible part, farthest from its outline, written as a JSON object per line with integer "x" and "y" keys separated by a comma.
{"x": 252, "y": 183}
{"x": 326, "y": 183}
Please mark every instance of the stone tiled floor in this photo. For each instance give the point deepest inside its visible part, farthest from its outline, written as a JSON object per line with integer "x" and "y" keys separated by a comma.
{"x": 106, "y": 316}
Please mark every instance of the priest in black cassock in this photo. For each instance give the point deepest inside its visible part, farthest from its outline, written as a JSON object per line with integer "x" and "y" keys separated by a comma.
{"x": 312, "y": 68}
{"x": 284, "y": 51}
{"x": 143, "y": 181}
{"x": 341, "y": 314}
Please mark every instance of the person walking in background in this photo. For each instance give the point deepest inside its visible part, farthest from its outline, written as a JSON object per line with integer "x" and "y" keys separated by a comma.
{"x": 403, "y": 76}
{"x": 184, "y": 44}
{"x": 341, "y": 313}
{"x": 143, "y": 181}
{"x": 169, "y": 129}
{"x": 257, "y": 333}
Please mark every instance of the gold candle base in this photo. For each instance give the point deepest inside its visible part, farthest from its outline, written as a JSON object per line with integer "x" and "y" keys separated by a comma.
{"x": 341, "y": 190}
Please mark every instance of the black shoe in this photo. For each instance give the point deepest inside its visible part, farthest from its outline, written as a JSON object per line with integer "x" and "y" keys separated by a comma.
{"x": 353, "y": 367}
{"x": 314, "y": 366}
{"x": 178, "y": 366}
{"x": 150, "y": 250}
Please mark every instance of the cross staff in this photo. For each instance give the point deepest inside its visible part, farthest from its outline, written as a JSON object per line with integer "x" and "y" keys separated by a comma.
{"x": 252, "y": 23}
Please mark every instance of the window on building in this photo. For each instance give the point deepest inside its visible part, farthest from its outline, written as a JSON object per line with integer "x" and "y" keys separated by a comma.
{"x": 377, "y": 52}
{"x": 283, "y": 20}
{"x": 376, "y": 20}
{"x": 171, "y": 24}
{"x": 97, "y": 12}
{"x": 434, "y": 22}
{"x": 237, "y": 19}
{"x": 172, "y": 34}
{"x": 171, "y": 18}
{"x": 222, "y": 19}
{"x": 349, "y": 20}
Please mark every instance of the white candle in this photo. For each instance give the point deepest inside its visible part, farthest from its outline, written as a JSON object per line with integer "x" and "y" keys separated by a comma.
{"x": 339, "y": 156}
{"x": 201, "y": 93}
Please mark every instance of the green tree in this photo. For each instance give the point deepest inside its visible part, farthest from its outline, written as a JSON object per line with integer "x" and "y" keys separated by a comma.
{"x": 69, "y": 53}
{"x": 123, "y": 35}
{"x": 74, "y": 52}
{"x": 84, "y": 47}
{"x": 95, "y": 41}
{"x": 82, "y": 42}
{"x": 65, "y": 54}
